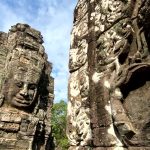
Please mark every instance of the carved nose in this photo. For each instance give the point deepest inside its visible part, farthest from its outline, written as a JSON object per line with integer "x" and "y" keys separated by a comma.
{"x": 24, "y": 91}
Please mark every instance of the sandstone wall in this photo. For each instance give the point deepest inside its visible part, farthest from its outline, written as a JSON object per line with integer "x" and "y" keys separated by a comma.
{"x": 26, "y": 90}
{"x": 109, "y": 80}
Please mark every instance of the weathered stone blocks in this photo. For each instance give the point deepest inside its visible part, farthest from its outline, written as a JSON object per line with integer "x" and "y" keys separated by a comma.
{"x": 110, "y": 38}
{"x": 26, "y": 90}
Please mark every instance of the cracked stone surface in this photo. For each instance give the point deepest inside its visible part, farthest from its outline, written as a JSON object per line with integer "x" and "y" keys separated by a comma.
{"x": 26, "y": 90}
{"x": 109, "y": 63}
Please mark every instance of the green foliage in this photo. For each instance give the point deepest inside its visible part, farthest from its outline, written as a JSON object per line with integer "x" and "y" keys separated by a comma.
{"x": 59, "y": 113}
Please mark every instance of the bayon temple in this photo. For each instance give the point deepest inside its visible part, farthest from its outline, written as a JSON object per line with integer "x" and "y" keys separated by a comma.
{"x": 108, "y": 87}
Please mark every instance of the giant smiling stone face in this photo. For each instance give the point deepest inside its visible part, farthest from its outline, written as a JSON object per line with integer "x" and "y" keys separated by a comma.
{"x": 21, "y": 93}
{"x": 21, "y": 88}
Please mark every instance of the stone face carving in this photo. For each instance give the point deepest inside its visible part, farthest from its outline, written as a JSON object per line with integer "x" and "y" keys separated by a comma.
{"x": 110, "y": 40}
{"x": 26, "y": 95}
{"x": 22, "y": 91}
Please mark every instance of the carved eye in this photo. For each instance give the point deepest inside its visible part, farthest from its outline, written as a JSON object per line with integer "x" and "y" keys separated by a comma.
{"x": 19, "y": 84}
{"x": 32, "y": 86}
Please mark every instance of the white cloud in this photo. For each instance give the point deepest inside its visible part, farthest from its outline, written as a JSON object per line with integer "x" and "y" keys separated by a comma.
{"x": 54, "y": 19}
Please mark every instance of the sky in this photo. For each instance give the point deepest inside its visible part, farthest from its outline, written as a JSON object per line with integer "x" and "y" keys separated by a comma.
{"x": 54, "y": 19}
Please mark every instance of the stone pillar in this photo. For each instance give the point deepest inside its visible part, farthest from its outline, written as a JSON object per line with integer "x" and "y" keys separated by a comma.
{"x": 109, "y": 65}
{"x": 26, "y": 90}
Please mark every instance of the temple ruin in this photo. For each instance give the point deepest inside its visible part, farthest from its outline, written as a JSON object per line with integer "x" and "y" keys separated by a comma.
{"x": 26, "y": 90}
{"x": 109, "y": 64}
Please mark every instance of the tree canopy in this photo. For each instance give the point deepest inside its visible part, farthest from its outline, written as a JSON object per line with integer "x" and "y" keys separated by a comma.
{"x": 59, "y": 113}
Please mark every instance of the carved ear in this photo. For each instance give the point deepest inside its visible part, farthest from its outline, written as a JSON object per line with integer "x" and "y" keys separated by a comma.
{"x": 1, "y": 99}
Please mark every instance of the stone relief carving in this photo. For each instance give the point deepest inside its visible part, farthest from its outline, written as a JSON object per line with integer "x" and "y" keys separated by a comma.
{"x": 78, "y": 56}
{"x": 78, "y": 110}
{"x": 117, "y": 58}
{"x": 26, "y": 91}
{"x": 20, "y": 89}
{"x": 131, "y": 58}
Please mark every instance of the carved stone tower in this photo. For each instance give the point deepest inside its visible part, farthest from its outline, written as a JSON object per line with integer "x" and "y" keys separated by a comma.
{"x": 26, "y": 90}
{"x": 109, "y": 98}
